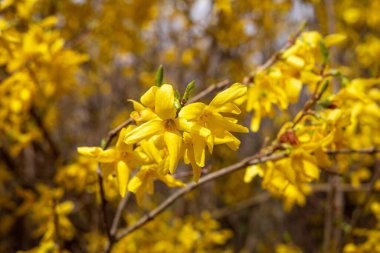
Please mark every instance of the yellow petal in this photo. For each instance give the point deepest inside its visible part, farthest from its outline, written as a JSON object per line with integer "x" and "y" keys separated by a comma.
{"x": 311, "y": 170}
{"x": 173, "y": 142}
{"x": 199, "y": 150}
{"x": 229, "y": 108}
{"x": 192, "y": 111}
{"x": 89, "y": 151}
{"x": 103, "y": 156}
{"x": 235, "y": 92}
{"x": 122, "y": 177}
{"x": 148, "y": 99}
{"x": 193, "y": 128}
{"x": 292, "y": 89}
{"x": 137, "y": 181}
{"x": 144, "y": 131}
{"x": 334, "y": 39}
{"x": 255, "y": 121}
{"x": 218, "y": 122}
{"x": 295, "y": 62}
{"x": 251, "y": 172}
{"x": 170, "y": 181}
{"x": 164, "y": 102}
{"x": 151, "y": 150}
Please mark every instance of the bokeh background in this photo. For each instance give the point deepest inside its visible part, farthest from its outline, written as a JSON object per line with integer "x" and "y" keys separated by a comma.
{"x": 67, "y": 70}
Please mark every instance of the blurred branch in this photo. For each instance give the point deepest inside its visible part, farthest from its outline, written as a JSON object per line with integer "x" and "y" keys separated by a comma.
{"x": 371, "y": 150}
{"x": 183, "y": 174}
{"x": 53, "y": 146}
{"x": 255, "y": 200}
{"x": 7, "y": 159}
{"x": 120, "y": 208}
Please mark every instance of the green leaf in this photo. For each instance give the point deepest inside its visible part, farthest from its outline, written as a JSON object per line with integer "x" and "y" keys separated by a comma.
{"x": 176, "y": 94}
{"x": 103, "y": 142}
{"x": 160, "y": 76}
{"x": 188, "y": 91}
{"x": 177, "y": 104}
{"x": 324, "y": 52}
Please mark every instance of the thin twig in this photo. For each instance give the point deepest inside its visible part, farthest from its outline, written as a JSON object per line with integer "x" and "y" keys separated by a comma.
{"x": 183, "y": 174}
{"x": 120, "y": 208}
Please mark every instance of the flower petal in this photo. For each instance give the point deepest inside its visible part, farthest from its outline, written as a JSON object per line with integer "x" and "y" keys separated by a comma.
{"x": 236, "y": 91}
{"x": 192, "y": 111}
{"x": 164, "y": 102}
{"x": 122, "y": 177}
{"x": 173, "y": 142}
{"x": 144, "y": 131}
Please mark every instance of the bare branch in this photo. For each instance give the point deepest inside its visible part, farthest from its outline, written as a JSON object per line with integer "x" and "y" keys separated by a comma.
{"x": 120, "y": 208}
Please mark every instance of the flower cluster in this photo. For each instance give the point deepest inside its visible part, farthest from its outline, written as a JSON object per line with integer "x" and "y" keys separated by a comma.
{"x": 168, "y": 131}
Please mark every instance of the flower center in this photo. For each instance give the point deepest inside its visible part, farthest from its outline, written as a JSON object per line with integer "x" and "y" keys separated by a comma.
{"x": 170, "y": 125}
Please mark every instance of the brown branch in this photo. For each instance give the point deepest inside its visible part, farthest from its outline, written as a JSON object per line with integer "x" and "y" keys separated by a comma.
{"x": 309, "y": 104}
{"x": 183, "y": 174}
{"x": 120, "y": 208}
{"x": 210, "y": 177}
